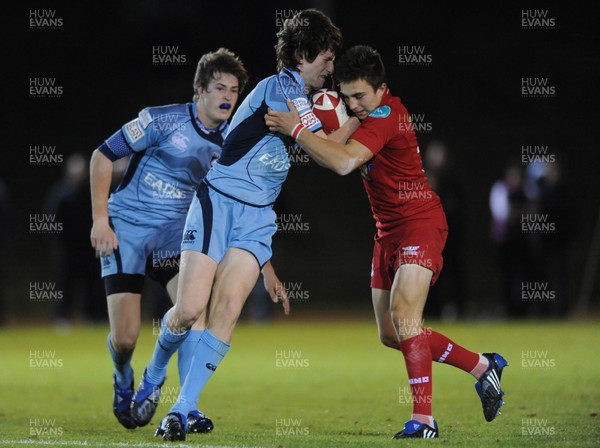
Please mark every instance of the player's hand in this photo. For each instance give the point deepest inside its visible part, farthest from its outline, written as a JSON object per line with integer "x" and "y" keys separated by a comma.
{"x": 276, "y": 288}
{"x": 282, "y": 122}
{"x": 103, "y": 238}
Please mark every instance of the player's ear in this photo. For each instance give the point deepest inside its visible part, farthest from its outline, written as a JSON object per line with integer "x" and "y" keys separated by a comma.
{"x": 381, "y": 89}
{"x": 299, "y": 59}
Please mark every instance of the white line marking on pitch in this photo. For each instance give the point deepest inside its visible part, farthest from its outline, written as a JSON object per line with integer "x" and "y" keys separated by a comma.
{"x": 118, "y": 444}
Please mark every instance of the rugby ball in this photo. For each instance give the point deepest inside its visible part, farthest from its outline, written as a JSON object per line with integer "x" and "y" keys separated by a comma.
{"x": 329, "y": 109}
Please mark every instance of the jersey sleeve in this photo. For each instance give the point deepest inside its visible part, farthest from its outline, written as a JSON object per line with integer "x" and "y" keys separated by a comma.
{"x": 307, "y": 117}
{"x": 135, "y": 136}
{"x": 375, "y": 132}
{"x": 286, "y": 88}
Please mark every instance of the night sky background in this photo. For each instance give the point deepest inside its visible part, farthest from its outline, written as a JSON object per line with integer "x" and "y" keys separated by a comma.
{"x": 470, "y": 95}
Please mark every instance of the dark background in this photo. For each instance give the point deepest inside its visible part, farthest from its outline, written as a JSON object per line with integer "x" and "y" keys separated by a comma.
{"x": 470, "y": 93}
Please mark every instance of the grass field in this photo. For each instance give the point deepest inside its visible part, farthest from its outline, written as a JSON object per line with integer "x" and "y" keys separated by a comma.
{"x": 304, "y": 384}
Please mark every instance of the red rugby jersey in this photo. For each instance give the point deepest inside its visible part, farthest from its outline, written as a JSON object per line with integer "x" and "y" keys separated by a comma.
{"x": 394, "y": 178}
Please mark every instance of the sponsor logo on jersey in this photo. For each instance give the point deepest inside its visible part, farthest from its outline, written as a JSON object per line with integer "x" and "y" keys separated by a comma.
{"x": 276, "y": 162}
{"x": 210, "y": 366}
{"x": 161, "y": 189}
{"x": 179, "y": 140}
{"x": 381, "y": 112}
{"x": 134, "y": 130}
{"x": 411, "y": 250}
{"x": 307, "y": 116}
{"x": 189, "y": 236}
{"x": 301, "y": 104}
{"x": 309, "y": 120}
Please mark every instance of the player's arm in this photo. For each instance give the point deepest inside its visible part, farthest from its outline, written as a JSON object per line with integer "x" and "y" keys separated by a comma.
{"x": 274, "y": 287}
{"x": 134, "y": 137}
{"x": 103, "y": 239}
{"x": 340, "y": 158}
{"x": 342, "y": 134}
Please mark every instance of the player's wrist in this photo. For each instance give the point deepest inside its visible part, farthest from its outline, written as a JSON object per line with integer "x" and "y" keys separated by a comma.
{"x": 100, "y": 218}
{"x": 296, "y": 130}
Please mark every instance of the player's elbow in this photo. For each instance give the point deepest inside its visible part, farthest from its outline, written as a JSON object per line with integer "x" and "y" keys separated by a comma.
{"x": 99, "y": 157}
{"x": 344, "y": 167}
{"x": 342, "y": 171}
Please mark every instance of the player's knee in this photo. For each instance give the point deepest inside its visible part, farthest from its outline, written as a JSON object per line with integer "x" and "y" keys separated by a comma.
{"x": 185, "y": 317}
{"x": 400, "y": 312}
{"x": 228, "y": 309}
{"x": 124, "y": 342}
{"x": 389, "y": 340}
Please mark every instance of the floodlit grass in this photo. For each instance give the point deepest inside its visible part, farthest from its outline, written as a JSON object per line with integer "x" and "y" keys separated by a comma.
{"x": 304, "y": 384}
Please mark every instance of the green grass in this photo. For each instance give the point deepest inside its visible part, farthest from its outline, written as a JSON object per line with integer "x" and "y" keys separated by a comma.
{"x": 347, "y": 392}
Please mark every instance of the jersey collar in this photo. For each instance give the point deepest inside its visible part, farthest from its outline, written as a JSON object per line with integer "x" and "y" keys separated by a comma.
{"x": 295, "y": 76}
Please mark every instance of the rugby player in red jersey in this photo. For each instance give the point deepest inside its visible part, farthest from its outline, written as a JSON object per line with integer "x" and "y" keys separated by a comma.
{"x": 411, "y": 231}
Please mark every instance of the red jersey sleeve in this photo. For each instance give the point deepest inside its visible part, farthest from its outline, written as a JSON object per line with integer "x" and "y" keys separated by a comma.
{"x": 377, "y": 129}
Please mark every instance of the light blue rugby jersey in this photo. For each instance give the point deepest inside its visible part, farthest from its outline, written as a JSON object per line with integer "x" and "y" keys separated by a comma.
{"x": 171, "y": 152}
{"x": 255, "y": 162}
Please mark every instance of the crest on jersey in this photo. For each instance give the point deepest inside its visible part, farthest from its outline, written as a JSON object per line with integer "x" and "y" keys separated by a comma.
{"x": 179, "y": 140}
{"x": 381, "y": 112}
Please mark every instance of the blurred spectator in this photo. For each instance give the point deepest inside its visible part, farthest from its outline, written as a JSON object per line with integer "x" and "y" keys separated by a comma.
{"x": 77, "y": 269}
{"x": 447, "y": 297}
{"x": 550, "y": 199}
{"x": 508, "y": 203}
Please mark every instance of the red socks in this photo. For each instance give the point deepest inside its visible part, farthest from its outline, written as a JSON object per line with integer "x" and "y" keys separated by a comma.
{"x": 417, "y": 356}
{"x": 446, "y": 351}
{"x": 419, "y": 351}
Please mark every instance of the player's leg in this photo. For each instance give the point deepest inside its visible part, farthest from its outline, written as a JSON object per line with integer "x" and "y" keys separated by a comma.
{"x": 123, "y": 275}
{"x": 236, "y": 276}
{"x": 381, "y": 283}
{"x": 248, "y": 248}
{"x": 186, "y": 350}
{"x": 196, "y": 276}
{"x": 197, "y": 421}
{"x": 194, "y": 286}
{"x": 443, "y": 349}
{"x": 385, "y": 326}
{"x": 408, "y": 297}
{"x": 124, "y": 319}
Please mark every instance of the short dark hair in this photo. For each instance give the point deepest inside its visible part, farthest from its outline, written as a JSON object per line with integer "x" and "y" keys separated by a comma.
{"x": 220, "y": 61}
{"x": 306, "y": 34}
{"x": 360, "y": 62}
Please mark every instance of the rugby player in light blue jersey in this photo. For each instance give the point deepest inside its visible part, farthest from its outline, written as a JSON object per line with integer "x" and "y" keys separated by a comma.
{"x": 227, "y": 236}
{"x": 138, "y": 230}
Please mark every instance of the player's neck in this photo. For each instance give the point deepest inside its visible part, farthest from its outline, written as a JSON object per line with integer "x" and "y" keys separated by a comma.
{"x": 205, "y": 120}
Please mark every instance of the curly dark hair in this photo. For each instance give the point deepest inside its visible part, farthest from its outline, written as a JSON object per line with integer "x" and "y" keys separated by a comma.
{"x": 360, "y": 62}
{"x": 306, "y": 34}
{"x": 220, "y": 61}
